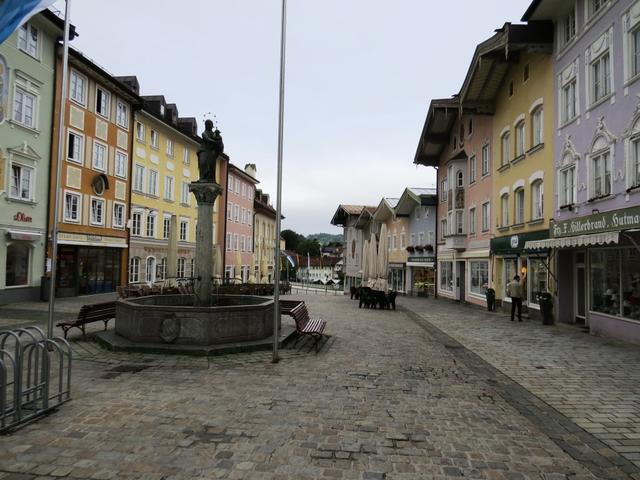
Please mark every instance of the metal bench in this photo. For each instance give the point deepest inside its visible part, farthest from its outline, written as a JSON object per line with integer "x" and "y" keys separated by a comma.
{"x": 96, "y": 312}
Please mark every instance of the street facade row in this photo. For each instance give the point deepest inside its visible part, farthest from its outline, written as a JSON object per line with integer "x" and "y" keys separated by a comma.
{"x": 125, "y": 211}
{"x": 537, "y": 158}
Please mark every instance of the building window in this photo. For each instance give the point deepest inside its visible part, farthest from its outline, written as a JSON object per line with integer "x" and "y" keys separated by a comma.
{"x": 568, "y": 186}
{"x": 170, "y": 147}
{"x": 99, "y": 156}
{"x": 78, "y": 88}
{"x": 121, "y": 164}
{"x": 184, "y": 230}
{"x": 17, "y": 264}
{"x": 182, "y": 263}
{"x": 103, "y": 99}
{"x": 230, "y": 183}
{"x": 122, "y": 114}
{"x": 446, "y": 276}
{"x": 136, "y": 224}
{"x": 472, "y": 221}
{"x": 236, "y": 213}
{"x": 21, "y": 182}
{"x": 242, "y": 243}
{"x": 519, "y": 205}
{"x": 243, "y": 215}
{"x": 155, "y": 141}
{"x": 238, "y": 186}
{"x": 118, "y": 215}
{"x": 635, "y": 52}
{"x": 596, "y": 6}
{"x": 186, "y": 156}
{"x": 24, "y": 108}
{"x": 166, "y": 227}
{"x": 600, "y": 77}
{"x": 459, "y": 222}
{"x": 537, "y": 200}
{"x": 505, "y": 141}
{"x": 151, "y": 225}
{"x": 459, "y": 179}
{"x": 537, "y": 127}
{"x": 504, "y": 207}
{"x": 394, "y": 239}
{"x": 134, "y": 270}
{"x": 479, "y": 277}
{"x": 568, "y": 99}
{"x": 229, "y": 211}
{"x": 520, "y": 139}
{"x": 443, "y": 228}
{"x": 236, "y": 242}
{"x": 229, "y": 242}
{"x": 97, "y": 211}
{"x": 168, "y": 188}
{"x": 443, "y": 190}
{"x": 71, "y": 207}
{"x": 601, "y": 174}
{"x": 162, "y": 269}
{"x": 185, "y": 193}
{"x": 138, "y": 178}
{"x": 75, "y": 147}
{"x": 567, "y": 28}
{"x": 150, "y": 272}
{"x": 403, "y": 241}
{"x": 472, "y": 169}
{"x": 140, "y": 131}
{"x": 485, "y": 160}
{"x": 29, "y": 40}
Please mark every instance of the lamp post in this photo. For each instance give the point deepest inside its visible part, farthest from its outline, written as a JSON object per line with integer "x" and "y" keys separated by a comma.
{"x": 276, "y": 289}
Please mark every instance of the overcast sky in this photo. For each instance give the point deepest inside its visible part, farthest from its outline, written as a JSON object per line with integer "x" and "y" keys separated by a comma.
{"x": 360, "y": 74}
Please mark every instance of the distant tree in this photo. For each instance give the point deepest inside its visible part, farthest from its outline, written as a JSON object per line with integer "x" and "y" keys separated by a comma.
{"x": 291, "y": 239}
{"x": 311, "y": 247}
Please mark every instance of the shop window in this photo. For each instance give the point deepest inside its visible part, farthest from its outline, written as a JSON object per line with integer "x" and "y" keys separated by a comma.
{"x": 631, "y": 283}
{"x": 538, "y": 279}
{"x": 510, "y": 271}
{"x": 446, "y": 276}
{"x": 605, "y": 281}
{"x": 479, "y": 277}
{"x": 17, "y": 265}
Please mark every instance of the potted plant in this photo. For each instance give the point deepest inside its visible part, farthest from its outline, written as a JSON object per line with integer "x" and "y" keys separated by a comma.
{"x": 545, "y": 300}
{"x": 410, "y": 249}
{"x": 428, "y": 248}
{"x": 419, "y": 248}
{"x": 490, "y": 293}
{"x": 421, "y": 288}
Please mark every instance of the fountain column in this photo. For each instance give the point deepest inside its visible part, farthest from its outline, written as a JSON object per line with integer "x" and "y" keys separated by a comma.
{"x": 206, "y": 194}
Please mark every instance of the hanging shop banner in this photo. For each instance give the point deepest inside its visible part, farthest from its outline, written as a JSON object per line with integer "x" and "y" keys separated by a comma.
{"x": 624, "y": 219}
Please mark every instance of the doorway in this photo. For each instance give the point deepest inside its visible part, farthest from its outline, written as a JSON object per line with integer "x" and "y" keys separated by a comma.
{"x": 461, "y": 281}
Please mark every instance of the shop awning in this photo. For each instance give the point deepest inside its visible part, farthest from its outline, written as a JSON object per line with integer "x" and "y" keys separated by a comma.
{"x": 22, "y": 235}
{"x": 575, "y": 241}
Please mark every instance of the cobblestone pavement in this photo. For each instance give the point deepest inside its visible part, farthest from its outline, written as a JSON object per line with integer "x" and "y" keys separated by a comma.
{"x": 593, "y": 381}
{"x": 388, "y": 396}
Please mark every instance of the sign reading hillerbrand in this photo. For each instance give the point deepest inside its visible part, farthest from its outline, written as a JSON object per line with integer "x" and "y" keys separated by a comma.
{"x": 623, "y": 219}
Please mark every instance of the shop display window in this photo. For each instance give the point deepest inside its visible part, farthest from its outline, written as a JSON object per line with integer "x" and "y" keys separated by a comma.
{"x": 17, "y": 266}
{"x": 538, "y": 279}
{"x": 479, "y": 277}
{"x": 510, "y": 271}
{"x": 605, "y": 281}
{"x": 631, "y": 283}
{"x": 446, "y": 276}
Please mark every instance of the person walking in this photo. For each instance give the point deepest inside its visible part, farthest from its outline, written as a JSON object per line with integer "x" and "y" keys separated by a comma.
{"x": 514, "y": 290}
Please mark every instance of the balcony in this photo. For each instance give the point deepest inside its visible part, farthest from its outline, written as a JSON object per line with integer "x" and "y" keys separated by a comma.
{"x": 455, "y": 241}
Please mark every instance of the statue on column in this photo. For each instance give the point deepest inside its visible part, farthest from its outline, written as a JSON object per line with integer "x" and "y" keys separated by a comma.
{"x": 208, "y": 152}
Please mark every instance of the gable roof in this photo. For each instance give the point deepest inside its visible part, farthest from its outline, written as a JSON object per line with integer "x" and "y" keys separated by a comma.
{"x": 344, "y": 211}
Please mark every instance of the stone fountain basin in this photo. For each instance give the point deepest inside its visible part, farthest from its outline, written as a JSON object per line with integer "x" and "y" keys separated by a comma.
{"x": 174, "y": 319}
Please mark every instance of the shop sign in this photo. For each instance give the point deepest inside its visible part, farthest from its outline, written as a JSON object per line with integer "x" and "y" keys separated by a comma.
{"x": 22, "y": 217}
{"x": 422, "y": 259}
{"x": 513, "y": 244}
{"x": 615, "y": 220}
{"x": 93, "y": 240}
{"x": 515, "y": 240}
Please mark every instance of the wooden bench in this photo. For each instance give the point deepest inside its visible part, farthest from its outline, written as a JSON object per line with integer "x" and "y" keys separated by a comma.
{"x": 306, "y": 325}
{"x": 96, "y": 312}
{"x": 287, "y": 305}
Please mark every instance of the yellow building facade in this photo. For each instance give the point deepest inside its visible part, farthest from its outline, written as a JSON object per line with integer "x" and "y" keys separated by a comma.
{"x": 163, "y": 211}
{"x": 511, "y": 78}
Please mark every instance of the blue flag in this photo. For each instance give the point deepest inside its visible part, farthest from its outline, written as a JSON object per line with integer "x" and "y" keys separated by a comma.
{"x": 13, "y": 13}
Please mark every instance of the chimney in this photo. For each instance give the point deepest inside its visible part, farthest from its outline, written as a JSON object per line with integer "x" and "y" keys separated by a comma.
{"x": 251, "y": 170}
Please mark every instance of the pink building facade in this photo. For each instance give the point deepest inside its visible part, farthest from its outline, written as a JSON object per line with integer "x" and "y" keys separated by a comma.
{"x": 238, "y": 258}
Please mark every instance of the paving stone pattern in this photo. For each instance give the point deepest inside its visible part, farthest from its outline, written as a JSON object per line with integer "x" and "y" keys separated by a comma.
{"x": 593, "y": 381}
{"x": 384, "y": 399}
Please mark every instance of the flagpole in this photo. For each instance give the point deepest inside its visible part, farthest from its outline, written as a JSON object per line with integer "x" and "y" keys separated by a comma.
{"x": 56, "y": 194}
{"x": 276, "y": 289}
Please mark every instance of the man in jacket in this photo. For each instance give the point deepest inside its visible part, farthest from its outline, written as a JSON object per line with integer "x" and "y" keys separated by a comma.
{"x": 514, "y": 290}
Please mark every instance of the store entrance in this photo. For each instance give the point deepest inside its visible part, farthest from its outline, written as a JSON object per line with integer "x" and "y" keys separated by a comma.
{"x": 580, "y": 293}
{"x": 98, "y": 270}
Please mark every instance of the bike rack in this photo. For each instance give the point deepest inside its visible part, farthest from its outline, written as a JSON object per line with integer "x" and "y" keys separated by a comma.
{"x": 35, "y": 376}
